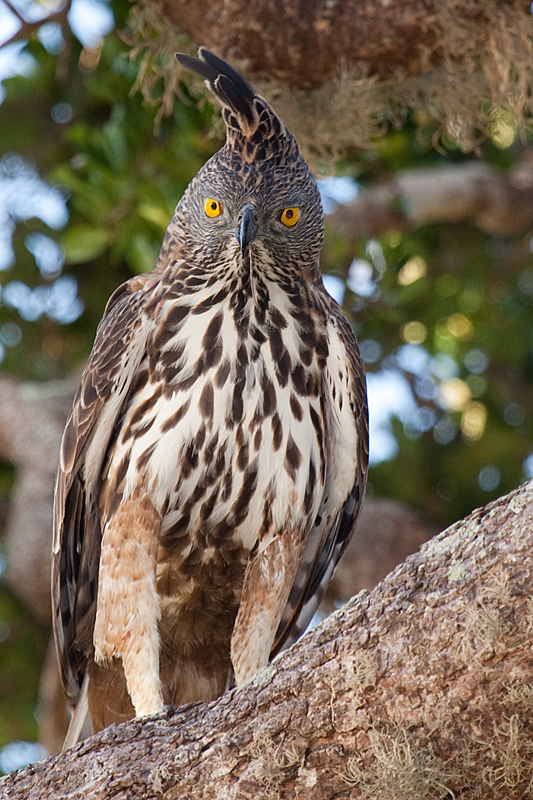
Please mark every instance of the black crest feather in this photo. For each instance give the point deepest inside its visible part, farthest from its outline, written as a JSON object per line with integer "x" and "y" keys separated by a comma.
{"x": 226, "y": 83}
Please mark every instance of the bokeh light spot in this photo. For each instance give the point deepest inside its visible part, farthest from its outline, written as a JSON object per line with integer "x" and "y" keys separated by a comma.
{"x": 414, "y": 332}
{"x": 514, "y": 414}
{"x": 370, "y": 350}
{"x": 454, "y": 394}
{"x": 476, "y": 361}
{"x": 459, "y": 325}
{"x": 473, "y": 420}
{"x": 489, "y": 478}
{"x": 411, "y": 271}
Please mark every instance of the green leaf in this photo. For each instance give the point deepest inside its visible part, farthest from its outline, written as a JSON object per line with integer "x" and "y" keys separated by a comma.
{"x": 155, "y": 214}
{"x": 143, "y": 254}
{"x": 82, "y": 243}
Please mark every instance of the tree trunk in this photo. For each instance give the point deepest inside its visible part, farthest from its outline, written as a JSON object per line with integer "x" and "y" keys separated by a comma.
{"x": 32, "y": 417}
{"x": 418, "y": 689}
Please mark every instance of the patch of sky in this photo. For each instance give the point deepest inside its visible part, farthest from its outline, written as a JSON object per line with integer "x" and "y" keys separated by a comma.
{"x": 389, "y": 394}
{"x": 413, "y": 358}
{"x": 26, "y": 195}
{"x": 419, "y": 421}
{"x": 17, "y": 755}
{"x": 426, "y": 388}
{"x": 444, "y": 367}
{"x": 51, "y": 37}
{"x": 364, "y": 275}
{"x": 337, "y": 191}
{"x": 13, "y": 59}
{"x": 47, "y": 254}
{"x": 392, "y": 395}
{"x": 59, "y": 301}
{"x": 335, "y": 287}
{"x": 9, "y": 25}
{"x": 90, "y": 21}
{"x": 23, "y": 195}
{"x": 33, "y": 11}
{"x": 361, "y": 278}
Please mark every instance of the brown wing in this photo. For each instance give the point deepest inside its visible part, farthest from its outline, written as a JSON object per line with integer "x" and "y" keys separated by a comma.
{"x": 119, "y": 346}
{"x": 327, "y": 542}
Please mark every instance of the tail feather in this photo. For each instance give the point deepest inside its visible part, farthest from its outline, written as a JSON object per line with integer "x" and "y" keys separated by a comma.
{"x": 79, "y": 716}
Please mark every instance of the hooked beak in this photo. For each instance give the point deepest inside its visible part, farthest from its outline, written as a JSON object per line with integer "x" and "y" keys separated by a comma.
{"x": 246, "y": 230}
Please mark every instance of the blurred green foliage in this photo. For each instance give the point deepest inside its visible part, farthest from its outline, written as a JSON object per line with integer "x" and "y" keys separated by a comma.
{"x": 475, "y": 307}
{"x": 23, "y": 645}
{"x": 447, "y": 308}
{"x": 122, "y": 181}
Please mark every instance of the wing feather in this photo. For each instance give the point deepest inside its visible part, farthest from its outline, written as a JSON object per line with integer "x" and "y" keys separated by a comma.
{"x": 331, "y": 534}
{"x": 118, "y": 349}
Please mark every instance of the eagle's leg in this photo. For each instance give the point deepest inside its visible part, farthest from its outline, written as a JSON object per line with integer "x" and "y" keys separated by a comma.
{"x": 128, "y": 608}
{"x": 267, "y": 583}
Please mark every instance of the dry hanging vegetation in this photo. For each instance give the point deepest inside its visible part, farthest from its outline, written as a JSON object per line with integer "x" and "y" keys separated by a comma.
{"x": 418, "y": 689}
{"x": 339, "y": 71}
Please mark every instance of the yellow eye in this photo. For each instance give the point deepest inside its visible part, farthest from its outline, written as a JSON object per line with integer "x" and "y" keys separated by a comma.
{"x": 212, "y": 207}
{"x": 290, "y": 216}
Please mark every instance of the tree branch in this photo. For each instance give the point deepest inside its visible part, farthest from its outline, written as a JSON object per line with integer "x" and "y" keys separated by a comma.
{"x": 30, "y": 27}
{"x": 339, "y": 71}
{"x": 420, "y": 688}
{"x": 499, "y": 204}
{"x": 305, "y": 44}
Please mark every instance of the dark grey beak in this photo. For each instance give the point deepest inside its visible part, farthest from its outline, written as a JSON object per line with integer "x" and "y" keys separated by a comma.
{"x": 246, "y": 230}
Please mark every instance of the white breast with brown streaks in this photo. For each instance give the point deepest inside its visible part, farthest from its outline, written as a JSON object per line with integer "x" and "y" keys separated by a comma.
{"x": 234, "y": 445}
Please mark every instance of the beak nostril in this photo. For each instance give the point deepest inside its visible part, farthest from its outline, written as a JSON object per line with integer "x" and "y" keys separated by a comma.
{"x": 249, "y": 213}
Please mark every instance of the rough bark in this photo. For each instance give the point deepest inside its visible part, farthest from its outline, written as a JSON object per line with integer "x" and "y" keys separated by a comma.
{"x": 418, "y": 689}
{"x": 386, "y": 533}
{"x": 305, "y": 43}
{"x": 497, "y": 203}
